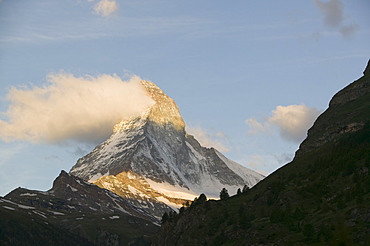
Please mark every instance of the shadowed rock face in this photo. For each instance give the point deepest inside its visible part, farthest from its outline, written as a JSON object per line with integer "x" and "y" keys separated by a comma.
{"x": 345, "y": 114}
{"x": 72, "y": 212}
{"x": 156, "y": 148}
{"x": 71, "y": 194}
{"x": 320, "y": 198}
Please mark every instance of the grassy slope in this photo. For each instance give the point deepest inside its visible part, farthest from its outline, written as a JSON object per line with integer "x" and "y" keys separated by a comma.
{"x": 321, "y": 198}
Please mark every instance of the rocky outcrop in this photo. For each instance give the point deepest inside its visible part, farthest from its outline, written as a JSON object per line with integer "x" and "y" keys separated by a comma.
{"x": 345, "y": 114}
{"x": 351, "y": 92}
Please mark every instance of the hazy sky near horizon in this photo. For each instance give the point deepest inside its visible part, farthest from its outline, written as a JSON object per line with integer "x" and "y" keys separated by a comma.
{"x": 249, "y": 77}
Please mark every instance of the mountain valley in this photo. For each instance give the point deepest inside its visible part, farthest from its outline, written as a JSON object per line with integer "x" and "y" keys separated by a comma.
{"x": 151, "y": 183}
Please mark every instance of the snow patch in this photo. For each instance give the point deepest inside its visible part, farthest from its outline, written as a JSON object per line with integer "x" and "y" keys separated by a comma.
{"x": 19, "y": 205}
{"x": 248, "y": 175}
{"x": 55, "y": 213}
{"x": 72, "y": 188}
{"x": 131, "y": 175}
{"x": 118, "y": 206}
{"x": 28, "y": 194}
{"x": 8, "y": 208}
{"x": 171, "y": 190}
{"x": 95, "y": 176}
{"x": 25, "y": 207}
{"x": 40, "y": 214}
{"x": 166, "y": 201}
{"x": 133, "y": 190}
{"x": 48, "y": 193}
{"x": 114, "y": 217}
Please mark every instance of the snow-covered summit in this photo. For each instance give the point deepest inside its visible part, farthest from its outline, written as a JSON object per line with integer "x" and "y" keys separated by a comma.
{"x": 156, "y": 149}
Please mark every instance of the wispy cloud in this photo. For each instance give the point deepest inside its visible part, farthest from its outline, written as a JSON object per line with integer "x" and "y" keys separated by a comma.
{"x": 292, "y": 121}
{"x": 332, "y": 11}
{"x": 209, "y": 138}
{"x": 284, "y": 158}
{"x": 255, "y": 127}
{"x": 349, "y": 30}
{"x": 8, "y": 151}
{"x": 256, "y": 162}
{"x": 52, "y": 158}
{"x": 333, "y": 16}
{"x": 83, "y": 109}
{"x": 88, "y": 29}
{"x": 33, "y": 37}
{"x": 79, "y": 151}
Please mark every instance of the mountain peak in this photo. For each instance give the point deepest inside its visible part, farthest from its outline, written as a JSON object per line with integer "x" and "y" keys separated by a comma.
{"x": 164, "y": 111}
{"x": 155, "y": 149}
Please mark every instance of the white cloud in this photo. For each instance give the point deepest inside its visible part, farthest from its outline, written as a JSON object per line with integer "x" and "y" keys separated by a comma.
{"x": 83, "y": 109}
{"x": 293, "y": 121}
{"x": 209, "y": 139}
{"x": 333, "y": 16}
{"x": 106, "y": 8}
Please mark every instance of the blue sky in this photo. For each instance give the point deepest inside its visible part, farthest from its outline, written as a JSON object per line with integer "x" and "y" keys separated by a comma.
{"x": 249, "y": 77}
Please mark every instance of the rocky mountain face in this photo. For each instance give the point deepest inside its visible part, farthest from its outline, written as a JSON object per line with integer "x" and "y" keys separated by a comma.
{"x": 321, "y": 198}
{"x": 151, "y": 160}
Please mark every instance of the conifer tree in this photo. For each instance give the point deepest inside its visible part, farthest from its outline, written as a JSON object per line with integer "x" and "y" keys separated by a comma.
{"x": 239, "y": 192}
{"x": 224, "y": 194}
{"x": 164, "y": 217}
{"x": 202, "y": 198}
{"x": 245, "y": 188}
